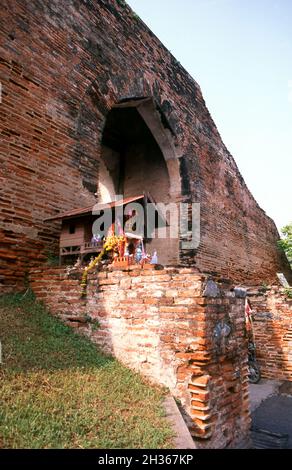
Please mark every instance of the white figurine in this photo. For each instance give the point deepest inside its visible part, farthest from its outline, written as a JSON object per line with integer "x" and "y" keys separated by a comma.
{"x": 154, "y": 259}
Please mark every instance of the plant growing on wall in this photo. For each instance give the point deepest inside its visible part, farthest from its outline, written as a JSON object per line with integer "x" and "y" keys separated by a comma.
{"x": 112, "y": 243}
{"x": 288, "y": 292}
{"x": 286, "y": 241}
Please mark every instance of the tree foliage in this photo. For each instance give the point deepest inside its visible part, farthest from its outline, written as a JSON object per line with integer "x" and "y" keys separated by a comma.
{"x": 286, "y": 241}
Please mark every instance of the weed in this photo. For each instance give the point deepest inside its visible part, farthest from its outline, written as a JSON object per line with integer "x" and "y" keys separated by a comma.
{"x": 288, "y": 292}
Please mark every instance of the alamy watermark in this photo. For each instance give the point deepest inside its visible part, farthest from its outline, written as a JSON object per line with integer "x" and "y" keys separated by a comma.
{"x": 149, "y": 220}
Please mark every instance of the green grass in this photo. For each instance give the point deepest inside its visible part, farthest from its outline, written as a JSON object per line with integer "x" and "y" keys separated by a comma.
{"x": 58, "y": 391}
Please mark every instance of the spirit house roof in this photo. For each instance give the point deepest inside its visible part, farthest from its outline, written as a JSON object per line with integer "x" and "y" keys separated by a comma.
{"x": 90, "y": 210}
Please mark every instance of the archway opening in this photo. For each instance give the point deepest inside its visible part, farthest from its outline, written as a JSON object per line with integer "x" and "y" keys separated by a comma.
{"x": 133, "y": 162}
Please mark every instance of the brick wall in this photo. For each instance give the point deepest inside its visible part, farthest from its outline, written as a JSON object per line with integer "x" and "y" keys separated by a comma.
{"x": 273, "y": 331}
{"x": 167, "y": 325}
{"x": 64, "y": 64}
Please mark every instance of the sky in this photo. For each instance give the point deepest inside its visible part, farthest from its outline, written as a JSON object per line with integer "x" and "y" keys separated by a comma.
{"x": 240, "y": 53}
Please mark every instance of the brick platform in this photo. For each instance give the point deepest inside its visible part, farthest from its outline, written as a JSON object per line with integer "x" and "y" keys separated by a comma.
{"x": 169, "y": 325}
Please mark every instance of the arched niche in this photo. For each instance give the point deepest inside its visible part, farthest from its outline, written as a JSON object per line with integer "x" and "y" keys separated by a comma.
{"x": 138, "y": 156}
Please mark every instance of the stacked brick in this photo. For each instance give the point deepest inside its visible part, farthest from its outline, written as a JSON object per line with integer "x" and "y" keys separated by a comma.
{"x": 273, "y": 331}
{"x": 176, "y": 327}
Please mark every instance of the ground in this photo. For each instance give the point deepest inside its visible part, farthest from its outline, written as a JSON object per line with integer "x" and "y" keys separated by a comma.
{"x": 271, "y": 407}
{"x": 58, "y": 391}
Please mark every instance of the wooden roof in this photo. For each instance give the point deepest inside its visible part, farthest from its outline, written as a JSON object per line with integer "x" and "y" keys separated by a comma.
{"x": 90, "y": 210}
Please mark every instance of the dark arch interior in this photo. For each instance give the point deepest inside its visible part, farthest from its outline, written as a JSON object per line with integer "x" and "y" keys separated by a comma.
{"x": 132, "y": 157}
{"x": 132, "y": 163}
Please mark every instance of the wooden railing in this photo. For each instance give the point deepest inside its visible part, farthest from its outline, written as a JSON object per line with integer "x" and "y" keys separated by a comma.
{"x": 87, "y": 247}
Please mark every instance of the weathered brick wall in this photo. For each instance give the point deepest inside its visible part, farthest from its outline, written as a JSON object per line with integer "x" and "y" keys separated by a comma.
{"x": 64, "y": 64}
{"x": 163, "y": 324}
{"x": 273, "y": 331}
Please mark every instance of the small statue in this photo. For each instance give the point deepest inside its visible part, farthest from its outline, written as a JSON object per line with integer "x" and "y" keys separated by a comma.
{"x": 127, "y": 250}
{"x": 95, "y": 239}
{"x": 138, "y": 255}
{"x": 154, "y": 259}
{"x": 78, "y": 262}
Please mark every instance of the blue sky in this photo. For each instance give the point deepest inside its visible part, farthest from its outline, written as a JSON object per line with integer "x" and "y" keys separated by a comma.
{"x": 240, "y": 53}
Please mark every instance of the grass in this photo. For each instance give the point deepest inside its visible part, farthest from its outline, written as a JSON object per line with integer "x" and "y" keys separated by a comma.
{"x": 58, "y": 391}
